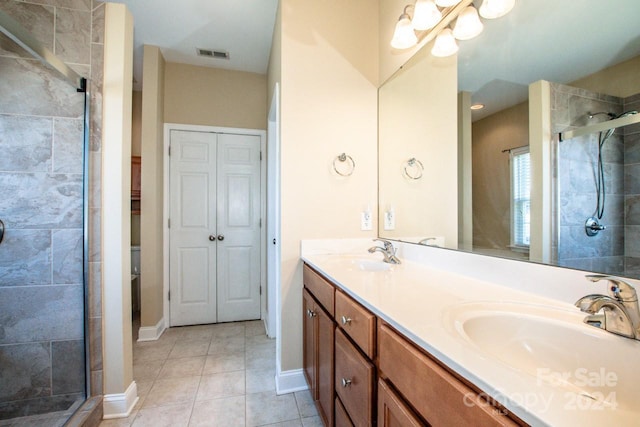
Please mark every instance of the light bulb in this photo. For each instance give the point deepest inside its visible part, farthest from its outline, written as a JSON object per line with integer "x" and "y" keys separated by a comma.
{"x": 403, "y": 36}
{"x": 468, "y": 24}
{"x": 445, "y": 44}
{"x": 426, "y": 15}
{"x": 492, "y": 9}
{"x": 447, "y": 3}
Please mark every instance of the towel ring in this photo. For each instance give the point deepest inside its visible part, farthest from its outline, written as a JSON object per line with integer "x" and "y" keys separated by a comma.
{"x": 413, "y": 169}
{"x": 344, "y": 158}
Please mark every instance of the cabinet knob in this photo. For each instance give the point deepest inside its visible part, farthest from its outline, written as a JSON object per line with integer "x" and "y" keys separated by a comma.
{"x": 220, "y": 237}
{"x": 212, "y": 238}
{"x": 345, "y": 320}
{"x": 346, "y": 382}
{"x": 311, "y": 313}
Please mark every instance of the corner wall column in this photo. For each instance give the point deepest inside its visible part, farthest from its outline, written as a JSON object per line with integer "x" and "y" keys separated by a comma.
{"x": 120, "y": 394}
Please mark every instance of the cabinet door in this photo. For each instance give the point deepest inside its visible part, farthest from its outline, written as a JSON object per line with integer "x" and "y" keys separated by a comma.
{"x": 392, "y": 411}
{"x": 342, "y": 419}
{"x": 325, "y": 371}
{"x": 354, "y": 381}
{"x": 309, "y": 342}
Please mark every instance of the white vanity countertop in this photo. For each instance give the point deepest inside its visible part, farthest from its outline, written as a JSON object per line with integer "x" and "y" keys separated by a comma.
{"x": 421, "y": 302}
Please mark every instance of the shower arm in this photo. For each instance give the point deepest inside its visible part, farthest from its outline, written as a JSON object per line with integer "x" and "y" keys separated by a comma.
{"x": 599, "y": 127}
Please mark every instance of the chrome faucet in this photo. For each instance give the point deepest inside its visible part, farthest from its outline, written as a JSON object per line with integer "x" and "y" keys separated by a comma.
{"x": 388, "y": 251}
{"x": 617, "y": 312}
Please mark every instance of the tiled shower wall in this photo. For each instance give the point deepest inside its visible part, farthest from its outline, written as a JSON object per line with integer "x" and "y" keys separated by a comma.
{"x": 576, "y": 165}
{"x": 41, "y": 291}
{"x": 632, "y": 191}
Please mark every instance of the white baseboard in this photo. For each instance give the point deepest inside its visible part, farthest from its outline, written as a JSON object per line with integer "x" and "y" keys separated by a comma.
{"x": 151, "y": 333}
{"x": 120, "y": 405}
{"x": 290, "y": 381}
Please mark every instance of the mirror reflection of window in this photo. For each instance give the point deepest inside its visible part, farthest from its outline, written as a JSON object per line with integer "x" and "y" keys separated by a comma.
{"x": 520, "y": 198}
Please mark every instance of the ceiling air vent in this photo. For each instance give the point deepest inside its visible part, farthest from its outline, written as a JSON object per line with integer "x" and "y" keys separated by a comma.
{"x": 210, "y": 53}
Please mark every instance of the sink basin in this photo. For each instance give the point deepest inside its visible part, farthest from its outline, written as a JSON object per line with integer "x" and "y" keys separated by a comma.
{"x": 555, "y": 347}
{"x": 370, "y": 265}
{"x": 362, "y": 263}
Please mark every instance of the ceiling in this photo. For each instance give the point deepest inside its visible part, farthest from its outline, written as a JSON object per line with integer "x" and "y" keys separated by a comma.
{"x": 244, "y": 28}
{"x": 554, "y": 40}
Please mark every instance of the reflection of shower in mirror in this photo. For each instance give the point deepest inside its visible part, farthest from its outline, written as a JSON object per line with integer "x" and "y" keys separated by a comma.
{"x": 593, "y": 225}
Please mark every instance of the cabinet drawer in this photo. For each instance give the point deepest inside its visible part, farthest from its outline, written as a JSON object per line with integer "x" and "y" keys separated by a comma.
{"x": 436, "y": 394}
{"x": 342, "y": 419}
{"x": 392, "y": 411}
{"x": 357, "y": 322}
{"x": 320, "y": 288}
{"x": 354, "y": 378}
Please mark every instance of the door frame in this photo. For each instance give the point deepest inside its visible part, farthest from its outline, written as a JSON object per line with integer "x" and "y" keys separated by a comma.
{"x": 168, "y": 127}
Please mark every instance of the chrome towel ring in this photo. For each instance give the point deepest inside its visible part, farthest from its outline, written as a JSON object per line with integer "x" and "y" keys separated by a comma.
{"x": 348, "y": 167}
{"x": 1, "y": 230}
{"x": 413, "y": 169}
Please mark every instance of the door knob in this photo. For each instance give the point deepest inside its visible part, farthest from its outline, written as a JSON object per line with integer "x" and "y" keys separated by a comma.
{"x": 212, "y": 238}
{"x": 220, "y": 237}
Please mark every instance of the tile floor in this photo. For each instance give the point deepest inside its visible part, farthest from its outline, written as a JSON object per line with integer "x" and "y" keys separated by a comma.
{"x": 213, "y": 375}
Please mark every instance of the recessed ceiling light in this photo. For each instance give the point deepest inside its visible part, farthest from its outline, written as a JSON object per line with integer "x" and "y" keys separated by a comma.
{"x": 477, "y": 106}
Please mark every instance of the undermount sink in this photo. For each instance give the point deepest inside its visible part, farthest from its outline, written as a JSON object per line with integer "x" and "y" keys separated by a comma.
{"x": 556, "y": 347}
{"x": 362, "y": 263}
{"x": 370, "y": 265}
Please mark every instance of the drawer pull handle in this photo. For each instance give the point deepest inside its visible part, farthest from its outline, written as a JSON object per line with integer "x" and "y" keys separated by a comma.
{"x": 311, "y": 313}
{"x": 346, "y": 382}
{"x": 345, "y": 320}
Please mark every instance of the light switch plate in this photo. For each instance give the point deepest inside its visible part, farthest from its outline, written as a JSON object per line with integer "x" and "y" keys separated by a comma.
{"x": 366, "y": 222}
{"x": 389, "y": 220}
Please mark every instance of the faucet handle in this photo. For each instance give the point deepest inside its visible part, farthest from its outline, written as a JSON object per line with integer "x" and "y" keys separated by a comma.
{"x": 619, "y": 289}
{"x": 388, "y": 246}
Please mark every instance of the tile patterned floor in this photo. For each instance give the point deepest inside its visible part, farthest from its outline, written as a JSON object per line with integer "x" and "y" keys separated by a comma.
{"x": 213, "y": 375}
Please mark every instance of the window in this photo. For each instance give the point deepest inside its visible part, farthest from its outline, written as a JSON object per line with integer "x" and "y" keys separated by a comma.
{"x": 520, "y": 198}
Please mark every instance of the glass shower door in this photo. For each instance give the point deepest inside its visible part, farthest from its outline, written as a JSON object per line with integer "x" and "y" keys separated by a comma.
{"x": 42, "y": 292}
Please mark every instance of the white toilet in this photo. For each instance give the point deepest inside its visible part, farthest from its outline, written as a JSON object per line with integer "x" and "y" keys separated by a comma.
{"x": 135, "y": 278}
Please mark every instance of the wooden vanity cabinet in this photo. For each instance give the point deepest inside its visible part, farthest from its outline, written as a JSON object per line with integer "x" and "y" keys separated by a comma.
{"x": 433, "y": 391}
{"x": 392, "y": 411}
{"x": 355, "y": 381}
{"x": 318, "y": 352}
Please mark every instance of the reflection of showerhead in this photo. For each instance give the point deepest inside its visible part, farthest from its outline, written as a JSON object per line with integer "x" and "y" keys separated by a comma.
{"x": 627, "y": 113}
{"x": 592, "y": 115}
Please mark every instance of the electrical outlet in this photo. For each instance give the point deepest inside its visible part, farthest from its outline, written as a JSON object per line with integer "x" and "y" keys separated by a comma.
{"x": 366, "y": 223}
{"x": 389, "y": 220}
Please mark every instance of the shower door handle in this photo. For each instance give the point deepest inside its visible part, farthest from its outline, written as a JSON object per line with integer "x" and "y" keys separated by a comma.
{"x": 1, "y": 230}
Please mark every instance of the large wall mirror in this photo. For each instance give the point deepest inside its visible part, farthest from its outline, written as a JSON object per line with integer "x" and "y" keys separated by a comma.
{"x": 500, "y": 180}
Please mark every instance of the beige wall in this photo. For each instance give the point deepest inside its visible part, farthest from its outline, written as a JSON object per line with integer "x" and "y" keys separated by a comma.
{"x": 418, "y": 119}
{"x": 505, "y": 129}
{"x": 116, "y": 194}
{"x": 328, "y": 106}
{"x": 215, "y": 97}
{"x": 152, "y": 199}
{"x": 620, "y": 80}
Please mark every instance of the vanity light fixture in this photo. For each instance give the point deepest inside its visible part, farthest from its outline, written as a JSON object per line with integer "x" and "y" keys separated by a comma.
{"x": 468, "y": 24}
{"x": 445, "y": 44}
{"x": 492, "y": 9}
{"x": 431, "y": 18}
{"x": 404, "y": 37}
{"x": 447, "y": 3}
{"x": 426, "y": 15}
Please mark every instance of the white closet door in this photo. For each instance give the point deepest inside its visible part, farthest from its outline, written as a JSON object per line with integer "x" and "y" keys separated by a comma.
{"x": 192, "y": 234}
{"x": 238, "y": 227}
